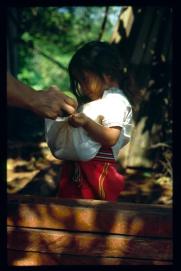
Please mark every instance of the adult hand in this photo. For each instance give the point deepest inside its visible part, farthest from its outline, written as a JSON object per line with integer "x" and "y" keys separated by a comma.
{"x": 50, "y": 103}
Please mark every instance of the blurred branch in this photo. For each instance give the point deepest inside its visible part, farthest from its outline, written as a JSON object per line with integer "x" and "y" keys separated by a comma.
{"x": 160, "y": 145}
{"x": 50, "y": 58}
{"x": 164, "y": 163}
{"x": 167, "y": 169}
{"x": 103, "y": 23}
{"x": 12, "y": 12}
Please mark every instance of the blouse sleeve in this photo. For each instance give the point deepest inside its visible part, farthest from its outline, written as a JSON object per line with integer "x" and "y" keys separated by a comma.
{"x": 115, "y": 110}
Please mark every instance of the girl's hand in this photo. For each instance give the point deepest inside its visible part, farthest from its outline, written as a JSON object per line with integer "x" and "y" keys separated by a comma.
{"x": 78, "y": 119}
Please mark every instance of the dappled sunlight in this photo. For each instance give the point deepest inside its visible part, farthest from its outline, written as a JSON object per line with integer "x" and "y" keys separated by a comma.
{"x": 43, "y": 229}
{"x": 74, "y": 228}
{"x": 136, "y": 226}
{"x": 40, "y": 176}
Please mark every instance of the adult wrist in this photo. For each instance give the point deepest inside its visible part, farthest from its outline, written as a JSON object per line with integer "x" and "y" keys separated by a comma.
{"x": 31, "y": 99}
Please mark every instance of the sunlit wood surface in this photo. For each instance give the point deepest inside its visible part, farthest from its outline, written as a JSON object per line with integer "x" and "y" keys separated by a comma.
{"x": 52, "y": 231}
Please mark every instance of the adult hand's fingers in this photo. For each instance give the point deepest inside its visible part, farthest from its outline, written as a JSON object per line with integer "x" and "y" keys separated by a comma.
{"x": 70, "y": 109}
{"x": 51, "y": 102}
{"x": 65, "y": 101}
{"x": 70, "y": 101}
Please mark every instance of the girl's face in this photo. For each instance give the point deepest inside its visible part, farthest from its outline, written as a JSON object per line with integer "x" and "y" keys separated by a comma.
{"x": 91, "y": 86}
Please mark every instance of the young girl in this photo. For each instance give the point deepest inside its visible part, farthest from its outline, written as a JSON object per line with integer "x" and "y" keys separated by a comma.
{"x": 96, "y": 75}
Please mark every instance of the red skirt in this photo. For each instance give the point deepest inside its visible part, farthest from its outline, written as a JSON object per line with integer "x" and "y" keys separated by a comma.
{"x": 94, "y": 179}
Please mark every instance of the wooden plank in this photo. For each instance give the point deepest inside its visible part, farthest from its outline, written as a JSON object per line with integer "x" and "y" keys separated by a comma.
{"x": 90, "y": 216}
{"x": 17, "y": 199}
{"x": 88, "y": 244}
{"x": 24, "y": 258}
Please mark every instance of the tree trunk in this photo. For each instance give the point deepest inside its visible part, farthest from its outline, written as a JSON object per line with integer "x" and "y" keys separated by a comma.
{"x": 12, "y": 32}
{"x": 143, "y": 36}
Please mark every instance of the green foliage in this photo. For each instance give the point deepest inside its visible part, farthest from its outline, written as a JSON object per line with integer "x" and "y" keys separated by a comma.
{"x": 48, "y": 37}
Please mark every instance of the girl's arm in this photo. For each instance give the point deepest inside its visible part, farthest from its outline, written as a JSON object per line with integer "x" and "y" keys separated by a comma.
{"x": 106, "y": 136}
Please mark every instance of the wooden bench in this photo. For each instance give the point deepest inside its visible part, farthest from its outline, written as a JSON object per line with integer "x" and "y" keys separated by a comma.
{"x": 52, "y": 231}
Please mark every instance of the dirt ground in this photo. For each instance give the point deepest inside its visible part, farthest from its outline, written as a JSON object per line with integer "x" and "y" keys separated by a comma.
{"x": 32, "y": 170}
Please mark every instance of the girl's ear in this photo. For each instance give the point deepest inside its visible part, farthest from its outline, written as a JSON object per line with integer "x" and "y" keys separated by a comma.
{"x": 107, "y": 78}
{"x": 109, "y": 81}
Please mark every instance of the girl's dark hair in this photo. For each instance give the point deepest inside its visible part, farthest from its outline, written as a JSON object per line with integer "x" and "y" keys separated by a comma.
{"x": 99, "y": 58}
